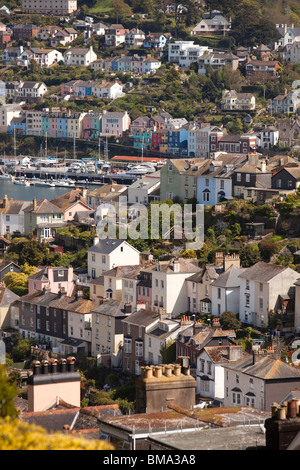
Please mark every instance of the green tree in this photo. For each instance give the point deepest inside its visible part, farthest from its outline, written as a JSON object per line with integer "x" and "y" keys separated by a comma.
{"x": 17, "y": 283}
{"x": 21, "y": 350}
{"x": 229, "y": 321}
{"x": 120, "y": 9}
{"x": 8, "y": 392}
{"x": 249, "y": 255}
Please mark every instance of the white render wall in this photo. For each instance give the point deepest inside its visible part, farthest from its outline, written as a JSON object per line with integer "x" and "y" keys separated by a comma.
{"x": 229, "y": 301}
{"x": 118, "y": 257}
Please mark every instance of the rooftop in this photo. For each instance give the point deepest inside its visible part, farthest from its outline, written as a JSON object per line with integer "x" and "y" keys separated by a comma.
{"x": 262, "y": 271}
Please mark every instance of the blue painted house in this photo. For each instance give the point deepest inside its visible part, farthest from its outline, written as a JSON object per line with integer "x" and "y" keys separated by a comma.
{"x": 177, "y": 141}
{"x": 214, "y": 184}
{"x": 17, "y": 125}
{"x": 142, "y": 138}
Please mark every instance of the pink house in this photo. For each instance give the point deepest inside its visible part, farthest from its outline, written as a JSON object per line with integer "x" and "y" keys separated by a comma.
{"x": 72, "y": 202}
{"x": 115, "y": 123}
{"x": 54, "y": 279}
{"x": 53, "y": 126}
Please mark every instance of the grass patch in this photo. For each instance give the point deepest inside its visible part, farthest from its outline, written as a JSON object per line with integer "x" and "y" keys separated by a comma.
{"x": 102, "y": 6}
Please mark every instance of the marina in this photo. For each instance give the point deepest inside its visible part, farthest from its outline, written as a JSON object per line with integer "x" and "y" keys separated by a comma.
{"x": 26, "y": 177}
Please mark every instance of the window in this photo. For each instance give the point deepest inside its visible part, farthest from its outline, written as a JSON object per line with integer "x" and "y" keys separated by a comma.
{"x": 209, "y": 368}
{"x": 238, "y": 177}
{"x": 139, "y": 348}
{"x": 103, "y": 259}
{"x": 93, "y": 257}
{"x": 128, "y": 345}
{"x": 47, "y": 326}
{"x": 261, "y": 303}
{"x": 247, "y": 300}
{"x": 205, "y": 196}
{"x": 247, "y": 284}
{"x": 219, "y": 293}
{"x": 204, "y": 385}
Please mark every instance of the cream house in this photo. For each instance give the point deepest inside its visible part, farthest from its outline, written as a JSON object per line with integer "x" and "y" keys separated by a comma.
{"x": 120, "y": 283}
{"x": 232, "y": 100}
{"x": 260, "y": 288}
{"x": 80, "y": 326}
{"x": 107, "y": 331}
{"x": 168, "y": 284}
{"x": 44, "y": 218}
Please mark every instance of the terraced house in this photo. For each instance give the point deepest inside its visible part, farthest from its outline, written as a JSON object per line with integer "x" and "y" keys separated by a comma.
{"x": 63, "y": 321}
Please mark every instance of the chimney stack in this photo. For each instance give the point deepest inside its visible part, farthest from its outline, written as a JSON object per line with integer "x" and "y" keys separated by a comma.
{"x": 5, "y": 201}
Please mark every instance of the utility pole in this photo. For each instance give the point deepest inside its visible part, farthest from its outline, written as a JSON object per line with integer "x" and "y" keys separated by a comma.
{"x": 106, "y": 150}
{"x": 74, "y": 148}
{"x": 15, "y": 145}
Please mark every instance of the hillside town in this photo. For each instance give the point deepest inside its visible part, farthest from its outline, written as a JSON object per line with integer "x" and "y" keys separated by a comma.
{"x": 150, "y": 226}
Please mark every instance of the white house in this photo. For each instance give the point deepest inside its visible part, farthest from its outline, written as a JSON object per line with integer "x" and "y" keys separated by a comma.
{"x": 168, "y": 284}
{"x": 7, "y": 113}
{"x": 43, "y": 57}
{"x": 107, "y": 253}
{"x": 210, "y": 371}
{"x": 260, "y": 288}
{"x": 185, "y": 52}
{"x": 225, "y": 292}
{"x": 79, "y": 56}
{"x": 166, "y": 330}
{"x": 212, "y": 23}
{"x": 11, "y": 216}
{"x": 110, "y": 90}
{"x": 258, "y": 381}
{"x": 286, "y": 102}
{"x": 266, "y": 137}
{"x": 140, "y": 190}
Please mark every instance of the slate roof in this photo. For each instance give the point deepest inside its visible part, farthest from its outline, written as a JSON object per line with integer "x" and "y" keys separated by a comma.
{"x": 262, "y": 271}
{"x": 5, "y": 263}
{"x": 186, "y": 266}
{"x": 229, "y": 278}
{"x": 13, "y": 207}
{"x": 43, "y": 207}
{"x": 111, "y": 308}
{"x": 64, "y": 302}
{"x": 7, "y": 296}
{"x": 131, "y": 271}
{"x": 142, "y": 318}
{"x": 219, "y": 354}
{"x": 266, "y": 368}
{"x": 106, "y": 246}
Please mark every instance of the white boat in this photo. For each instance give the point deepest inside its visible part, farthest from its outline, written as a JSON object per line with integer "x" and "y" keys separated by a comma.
{"x": 5, "y": 176}
{"x": 64, "y": 183}
{"x": 50, "y": 184}
{"x": 138, "y": 170}
{"x": 22, "y": 182}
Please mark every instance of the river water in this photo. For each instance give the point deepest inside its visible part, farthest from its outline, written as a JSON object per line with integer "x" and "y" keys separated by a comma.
{"x": 23, "y": 193}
